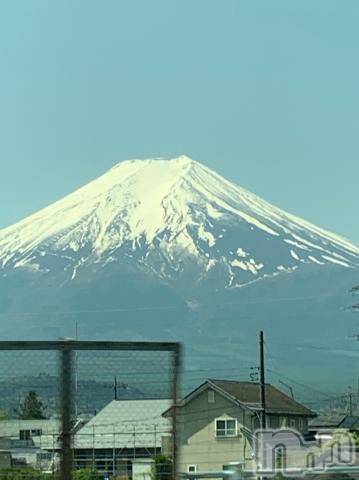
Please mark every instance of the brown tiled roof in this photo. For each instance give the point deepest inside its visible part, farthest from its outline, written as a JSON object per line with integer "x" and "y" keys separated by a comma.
{"x": 325, "y": 421}
{"x": 249, "y": 393}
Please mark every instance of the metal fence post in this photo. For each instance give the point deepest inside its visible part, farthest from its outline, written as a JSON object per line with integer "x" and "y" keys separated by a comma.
{"x": 66, "y": 412}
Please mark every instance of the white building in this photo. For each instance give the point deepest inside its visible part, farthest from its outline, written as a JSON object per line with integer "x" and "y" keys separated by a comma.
{"x": 31, "y": 442}
{"x": 124, "y": 431}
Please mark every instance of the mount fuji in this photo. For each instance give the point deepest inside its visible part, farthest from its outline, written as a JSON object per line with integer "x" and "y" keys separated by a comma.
{"x": 169, "y": 249}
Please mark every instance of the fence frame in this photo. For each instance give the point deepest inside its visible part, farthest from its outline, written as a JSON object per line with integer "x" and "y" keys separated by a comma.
{"x": 67, "y": 348}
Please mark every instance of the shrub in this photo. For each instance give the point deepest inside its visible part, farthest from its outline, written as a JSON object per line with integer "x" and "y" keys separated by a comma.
{"x": 21, "y": 473}
{"x": 87, "y": 474}
{"x": 162, "y": 468}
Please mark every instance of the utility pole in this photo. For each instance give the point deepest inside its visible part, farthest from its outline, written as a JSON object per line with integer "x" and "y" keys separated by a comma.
{"x": 115, "y": 388}
{"x": 76, "y": 372}
{"x": 263, "y": 422}
{"x": 350, "y": 402}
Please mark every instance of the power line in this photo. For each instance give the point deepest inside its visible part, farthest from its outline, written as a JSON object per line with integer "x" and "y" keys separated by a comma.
{"x": 167, "y": 307}
{"x": 309, "y": 346}
{"x": 303, "y": 385}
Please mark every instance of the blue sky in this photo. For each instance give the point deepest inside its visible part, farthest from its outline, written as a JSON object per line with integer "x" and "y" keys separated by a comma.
{"x": 265, "y": 92}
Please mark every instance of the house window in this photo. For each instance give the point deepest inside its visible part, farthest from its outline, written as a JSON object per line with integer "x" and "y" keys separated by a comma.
{"x": 28, "y": 434}
{"x": 300, "y": 423}
{"x": 226, "y": 427}
{"x": 191, "y": 468}
{"x": 292, "y": 422}
{"x": 25, "y": 434}
{"x": 210, "y": 396}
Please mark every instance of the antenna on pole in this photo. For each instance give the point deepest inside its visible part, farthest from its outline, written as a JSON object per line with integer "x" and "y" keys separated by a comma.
{"x": 289, "y": 388}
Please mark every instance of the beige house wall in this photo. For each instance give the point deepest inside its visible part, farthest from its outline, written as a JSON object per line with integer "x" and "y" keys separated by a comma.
{"x": 199, "y": 445}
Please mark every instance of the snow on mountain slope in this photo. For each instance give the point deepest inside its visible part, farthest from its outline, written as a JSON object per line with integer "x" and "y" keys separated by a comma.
{"x": 168, "y": 215}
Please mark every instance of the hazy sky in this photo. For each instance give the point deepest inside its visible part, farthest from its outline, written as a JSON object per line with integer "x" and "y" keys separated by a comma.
{"x": 265, "y": 92}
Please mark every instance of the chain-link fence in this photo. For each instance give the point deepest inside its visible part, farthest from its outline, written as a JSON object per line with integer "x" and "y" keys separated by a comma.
{"x": 88, "y": 410}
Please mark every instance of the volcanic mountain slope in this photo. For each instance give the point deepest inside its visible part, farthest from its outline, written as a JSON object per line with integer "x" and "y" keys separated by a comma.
{"x": 170, "y": 218}
{"x": 168, "y": 249}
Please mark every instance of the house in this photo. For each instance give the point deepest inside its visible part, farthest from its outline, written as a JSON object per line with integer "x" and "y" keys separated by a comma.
{"x": 123, "y": 432}
{"x": 323, "y": 427}
{"x": 31, "y": 442}
{"x": 216, "y": 421}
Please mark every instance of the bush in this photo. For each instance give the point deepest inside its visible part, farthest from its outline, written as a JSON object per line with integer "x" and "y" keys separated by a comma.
{"x": 33, "y": 474}
{"x": 87, "y": 474}
{"x": 21, "y": 473}
{"x": 162, "y": 468}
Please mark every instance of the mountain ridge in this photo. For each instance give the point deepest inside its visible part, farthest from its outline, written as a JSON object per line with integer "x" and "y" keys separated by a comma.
{"x": 175, "y": 207}
{"x": 169, "y": 250}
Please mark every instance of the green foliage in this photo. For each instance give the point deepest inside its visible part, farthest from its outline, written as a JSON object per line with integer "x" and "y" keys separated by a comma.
{"x": 31, "y": 408}
{"x": 355, "y": 436}
{"x": 33, "y": 474}
{"x": 21, "y": 473}
{"x": 3, "y": 415}
{"x": 87, "y": 474}
{"x": 162, "y": 468}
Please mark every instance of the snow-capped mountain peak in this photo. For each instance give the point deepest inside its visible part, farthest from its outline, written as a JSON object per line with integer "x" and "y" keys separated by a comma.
{"x": 168, "y": 215}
